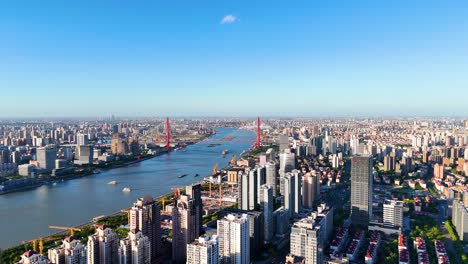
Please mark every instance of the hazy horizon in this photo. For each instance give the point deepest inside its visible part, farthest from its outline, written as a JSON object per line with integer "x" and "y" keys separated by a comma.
{"x": 242, "y": 58}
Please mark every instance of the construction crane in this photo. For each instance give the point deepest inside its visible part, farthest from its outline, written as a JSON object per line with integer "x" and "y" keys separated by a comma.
{"x": 215, "y": 169}
{"x": 70, "y": 229}
{"x": 39, "y": 241}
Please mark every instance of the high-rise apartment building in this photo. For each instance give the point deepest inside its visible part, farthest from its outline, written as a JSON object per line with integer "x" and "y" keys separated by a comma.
{"x": 361, "y": 189}
{"x": 31, "y": 257}
{"x": 248, "y": 190}
{"x": 72, "y": 251}
{"x": 204, "y": 250}
{"x": 305, "y": 241}
{"x": 287, "y": 164}
{"x": 393, "y": 213}
{"x": 82, "y": 139}
{"x": 145, "y": 216}
{"x": 234, "y": 240}
{"x": 460, "y": 219}
{"x": 103, "y": 247}
{"x": 135, "y": 249}
{"x": 292, "y": 192}
{"x": 310, "y": 190}
{"x": 183, "y": 227}
{"x": 310, "y": 235}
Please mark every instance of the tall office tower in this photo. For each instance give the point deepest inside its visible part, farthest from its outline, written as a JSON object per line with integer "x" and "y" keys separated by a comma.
{"x": 287, "y": 164}
{"x": 145, "y": 216}
{"x": 72, "y": 251}
{"x": 46, "y": 157}
{"x": 135, "y": 249}
{"x": 393, "y": 213}
{"x": 82, "y": 139}
{"x": 460, "y": 219}
{"x": 271, "y": 178}
{"x": 183, "y": 227}
{"x": 204, "y": 250}
{"x": 194, "y": 192}
{"x": 266, "y": 206}
{"x": 103, "y": 247}
{"x": 283, "y": 143}
{"x": 31, "y": 257}
{"x": 361, "y": 189}
{"x": 234, "y": 240}
{"x": 292, "y": 192}
{"x": 310, "y": 190}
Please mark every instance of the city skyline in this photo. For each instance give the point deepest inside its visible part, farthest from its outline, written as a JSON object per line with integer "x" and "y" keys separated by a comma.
{"x": 240, "y": 59}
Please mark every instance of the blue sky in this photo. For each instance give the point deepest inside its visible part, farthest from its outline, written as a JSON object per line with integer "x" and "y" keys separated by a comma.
{"x": 289, "y": 58}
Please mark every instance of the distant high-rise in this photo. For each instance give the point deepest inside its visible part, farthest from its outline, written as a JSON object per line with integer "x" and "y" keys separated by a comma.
{"x": 135, "y": 249}
{"x": 103, "y": 247}
{"x": 271, "y": 178}
{"x": 82, "y": 139}
{"x": 234, "y": 240}
{"x": 183, "y": 227}
{"x": 204, "y": 250}
{"x": 266, "y": 206}
{"x": 283, "y": 142}
{"x": 310, "y": 190}
{"x": 194, "y": 192}
{"x": 389, "y": 163}
{"x": 145, "y": 216}
{"x": 72, "y": 251}
{"x": 361, "y": 189}
{"x": 84, "y": 154}
{"x": 46, "y": 157}
{"x": 393, "y": 213}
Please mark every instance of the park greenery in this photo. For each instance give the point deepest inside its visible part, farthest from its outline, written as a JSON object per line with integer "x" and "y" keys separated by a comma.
{"x": 457, "y": 244}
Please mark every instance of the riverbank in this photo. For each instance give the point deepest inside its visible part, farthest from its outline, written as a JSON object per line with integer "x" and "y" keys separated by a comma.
{"x": 57, "y": 204}
{"x": 94, "y": 169}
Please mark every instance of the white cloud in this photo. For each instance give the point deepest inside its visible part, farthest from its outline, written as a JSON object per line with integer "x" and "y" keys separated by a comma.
{"x": 229, "y": 19}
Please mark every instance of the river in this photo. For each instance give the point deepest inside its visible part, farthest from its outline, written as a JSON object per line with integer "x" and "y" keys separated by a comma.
{"x": 27, "y": 215}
